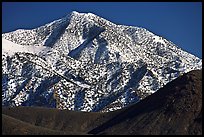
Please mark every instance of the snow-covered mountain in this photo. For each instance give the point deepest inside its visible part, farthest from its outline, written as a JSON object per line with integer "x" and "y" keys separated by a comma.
{"x": 84, "y": 62}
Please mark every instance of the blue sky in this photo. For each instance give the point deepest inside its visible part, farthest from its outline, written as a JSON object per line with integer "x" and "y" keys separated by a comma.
{"x": 179, "y": 22}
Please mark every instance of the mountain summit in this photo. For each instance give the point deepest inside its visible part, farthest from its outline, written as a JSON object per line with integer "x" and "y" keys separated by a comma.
{"x": 84, "y": 62}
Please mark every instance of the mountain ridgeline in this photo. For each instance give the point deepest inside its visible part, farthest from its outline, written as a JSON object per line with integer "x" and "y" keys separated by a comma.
{"x": 175, "y": 109}
{"x": 86, "y": 63}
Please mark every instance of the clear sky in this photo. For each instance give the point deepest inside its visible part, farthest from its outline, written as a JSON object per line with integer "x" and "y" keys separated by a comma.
{"x": 179, "y": 22}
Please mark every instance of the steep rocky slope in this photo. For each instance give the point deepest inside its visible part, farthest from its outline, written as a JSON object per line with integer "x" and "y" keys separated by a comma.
{"x": 175, "y": 109}
{"x": 84, "y": 62}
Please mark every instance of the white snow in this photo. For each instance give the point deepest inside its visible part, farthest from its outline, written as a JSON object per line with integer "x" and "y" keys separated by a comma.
{"x": 11, "y": 48}
{"x": 158, "y": 39}
{"x": 82, "y": 84}
{"x": 107, "y": 61}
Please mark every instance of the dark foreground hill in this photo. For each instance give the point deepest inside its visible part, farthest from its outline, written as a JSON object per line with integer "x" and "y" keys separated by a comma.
{"x": 174, "y": 109}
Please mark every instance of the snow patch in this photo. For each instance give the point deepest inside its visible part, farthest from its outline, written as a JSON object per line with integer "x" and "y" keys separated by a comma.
{"x": 158, "y": 39}
{"x": 11, "y": 48}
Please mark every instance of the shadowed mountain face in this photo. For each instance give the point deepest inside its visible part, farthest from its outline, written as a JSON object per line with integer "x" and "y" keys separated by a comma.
{"x": 174, "y": 109}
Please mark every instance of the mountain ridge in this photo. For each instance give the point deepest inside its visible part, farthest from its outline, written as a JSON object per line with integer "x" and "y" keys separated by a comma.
{"x": 176, "y": 109}
{"x": 89, "y": 64}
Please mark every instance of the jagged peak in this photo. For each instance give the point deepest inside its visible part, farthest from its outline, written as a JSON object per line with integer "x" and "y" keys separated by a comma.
{"x": 80, "y": 37}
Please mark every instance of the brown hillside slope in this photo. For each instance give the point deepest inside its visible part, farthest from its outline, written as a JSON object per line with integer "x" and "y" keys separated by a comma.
{"x": 14, "y": 126}
{"x": 174, "y": 109}
{"x": 55, "y": 119}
